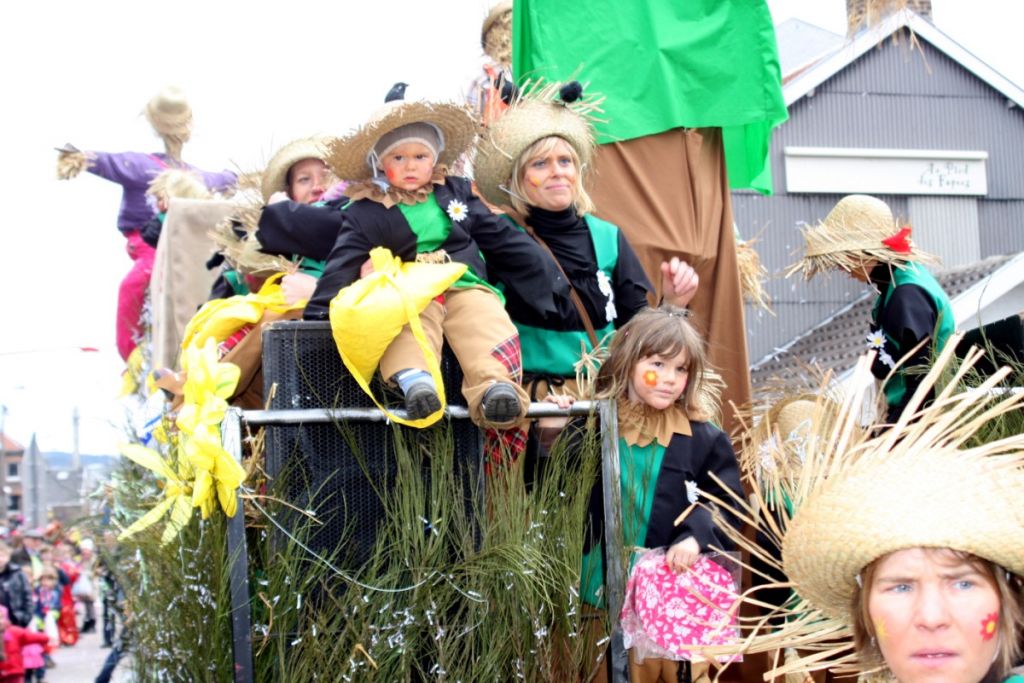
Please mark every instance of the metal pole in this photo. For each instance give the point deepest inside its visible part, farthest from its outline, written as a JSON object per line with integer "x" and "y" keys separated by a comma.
{"x": 615, "y": 575}
{"x": 238, "y": 559}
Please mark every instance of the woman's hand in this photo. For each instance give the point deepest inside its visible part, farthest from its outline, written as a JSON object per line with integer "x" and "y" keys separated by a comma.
{"x": 679, "y": 282}
{"x": 561, "y": 400}
{"x": 297, "y": 287}
{"x": 680, "y": 556}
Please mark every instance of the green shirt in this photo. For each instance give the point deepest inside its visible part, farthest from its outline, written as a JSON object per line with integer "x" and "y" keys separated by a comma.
{"x": 638, "y": 475}
{"x": 431, "y": 225}
{"x": 692, "y": 63}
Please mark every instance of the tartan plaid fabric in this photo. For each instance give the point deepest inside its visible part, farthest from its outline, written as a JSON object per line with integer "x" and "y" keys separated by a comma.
{"x": 503, "y": 447}
{"x": 511, "y": 356}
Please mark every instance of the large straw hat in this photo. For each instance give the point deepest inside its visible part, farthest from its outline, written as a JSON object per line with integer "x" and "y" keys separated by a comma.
{"x": 275, "y": 177}
{"x": 539, "y": 112}
{"x": 169, "y": 112}
{"x": 349, "y": 156}
{"x": 861, "y": 494}
{"x": 929, "y": 497}
{"x": 858, "y": 228}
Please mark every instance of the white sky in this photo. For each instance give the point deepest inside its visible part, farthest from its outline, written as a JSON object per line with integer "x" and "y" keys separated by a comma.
{"x": 257, "y": 76}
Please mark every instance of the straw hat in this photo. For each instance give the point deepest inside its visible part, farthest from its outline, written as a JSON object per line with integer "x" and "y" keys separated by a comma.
{"x": 349, "y": 156}
{"x": 498, "y": 48}
{"x": 169, "y": 112}
{"x": 931, "y": 498}
{"x": 862, "y": 494}
{"x": 275, "y": 177}
{"x": 539, "y": 112}
{"x": 858, "y": 228}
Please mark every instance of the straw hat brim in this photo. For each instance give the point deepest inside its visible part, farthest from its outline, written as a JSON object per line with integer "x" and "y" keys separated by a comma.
{"x": 966, "y": 502}
{"x": 275, "y": 177}
{"x": 851, "y": 234}
{"x": 347, "y": 156}
{"x": 519, "y": 127}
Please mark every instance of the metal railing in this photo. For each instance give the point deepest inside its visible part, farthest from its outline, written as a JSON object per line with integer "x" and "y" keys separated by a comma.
{"x": 231, "y": 431}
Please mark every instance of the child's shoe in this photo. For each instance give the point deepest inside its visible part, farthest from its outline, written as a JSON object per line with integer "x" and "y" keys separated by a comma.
{"x": 421, "y": 400}
{"x": 501, "y": 403}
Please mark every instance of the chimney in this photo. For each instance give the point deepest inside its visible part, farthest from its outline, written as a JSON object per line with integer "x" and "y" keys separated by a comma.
{"x": 862, "y": 14}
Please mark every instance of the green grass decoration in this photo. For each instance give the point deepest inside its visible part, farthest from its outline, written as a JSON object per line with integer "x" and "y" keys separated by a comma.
{"x": 459, "y": 586}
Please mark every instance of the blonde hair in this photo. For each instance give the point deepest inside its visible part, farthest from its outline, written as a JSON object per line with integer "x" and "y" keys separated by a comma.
{"x": 178, "y": 183}
{"x": 581, "y": 202}
{"x": 1011, "y": 612}
{"x": 663, "y": 331}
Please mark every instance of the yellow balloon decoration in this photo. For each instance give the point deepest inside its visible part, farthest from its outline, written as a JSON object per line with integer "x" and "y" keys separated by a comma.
{"x": 177, "y": 493}
{"x": 367, "y": 315}
{"x": 210, "y": 383}
{"x": 220, "y": 318}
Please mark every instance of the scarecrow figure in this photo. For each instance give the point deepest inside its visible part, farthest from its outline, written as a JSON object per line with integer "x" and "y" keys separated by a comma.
{"x": 171, "y": 117}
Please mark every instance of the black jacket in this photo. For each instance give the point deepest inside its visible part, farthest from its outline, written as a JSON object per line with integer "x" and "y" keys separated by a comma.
{"x": 687, "y": 458}
{"x": 16, "y": 594}
{"x": 490, "y": 246}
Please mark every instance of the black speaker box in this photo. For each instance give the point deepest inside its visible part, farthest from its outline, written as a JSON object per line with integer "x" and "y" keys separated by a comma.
{"x": 338, "y": 469}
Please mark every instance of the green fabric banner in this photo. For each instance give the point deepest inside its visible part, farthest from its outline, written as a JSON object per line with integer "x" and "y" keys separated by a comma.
{"x": 664, "y": 64}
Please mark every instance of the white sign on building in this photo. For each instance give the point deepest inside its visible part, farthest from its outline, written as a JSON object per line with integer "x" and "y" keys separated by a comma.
{"x": 885, "y": 171}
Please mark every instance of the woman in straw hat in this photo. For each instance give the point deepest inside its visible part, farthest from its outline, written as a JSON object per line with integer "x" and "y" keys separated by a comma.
{"x": 171, "y": 117}
{"x": 905, "y": 548}
{"x": 296, "y": 177}
{"x": 533, "y": 162}
{"x": 403, "y": 199}
{"x": 912, "y": 318}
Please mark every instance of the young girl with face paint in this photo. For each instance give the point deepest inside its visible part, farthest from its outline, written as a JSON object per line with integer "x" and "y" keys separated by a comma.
{"x": 668, "y": 452}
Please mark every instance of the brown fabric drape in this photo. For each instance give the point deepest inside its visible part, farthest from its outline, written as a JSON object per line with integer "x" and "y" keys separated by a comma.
{"x": 669, "y": 194}
{"x": 180, "y": 282}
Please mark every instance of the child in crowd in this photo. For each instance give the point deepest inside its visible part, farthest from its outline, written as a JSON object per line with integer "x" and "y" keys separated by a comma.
{"x": 46, "y": 610}
{"x": 12, "y": 668}
{"x": 402, "y": 199}
{"x": 668, "y": 451}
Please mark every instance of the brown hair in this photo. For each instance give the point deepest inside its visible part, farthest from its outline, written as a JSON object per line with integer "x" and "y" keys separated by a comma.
{"x": 1011, "y": 612}
{"x": 662, "y": 331}
{"x": 581, "y": 201}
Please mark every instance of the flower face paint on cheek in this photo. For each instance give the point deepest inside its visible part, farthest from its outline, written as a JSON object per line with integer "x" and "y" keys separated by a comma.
{"x": 989, "y": 625}
{"x": 880, "y": 631}
{"x": 650, "y": 378}
{"x": 391, "y": 174}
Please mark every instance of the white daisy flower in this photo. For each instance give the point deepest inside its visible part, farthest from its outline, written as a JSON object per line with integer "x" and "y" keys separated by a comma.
{"x": 457, "y": 211}
{"x": 692, "y": 492}
{"x": 876, "y": 339}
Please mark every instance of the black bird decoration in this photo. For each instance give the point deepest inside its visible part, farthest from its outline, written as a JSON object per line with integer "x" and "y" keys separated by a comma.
{"x": 397, "y": 92}
{"x": 571, "y": 91}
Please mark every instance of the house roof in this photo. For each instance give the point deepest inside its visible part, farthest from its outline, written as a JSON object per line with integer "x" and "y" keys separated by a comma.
{"x": 11, "y": 446}
{"x": 837, "y": 342}
{"x": 805, "y": 79}
{"x": 802, "y": 44}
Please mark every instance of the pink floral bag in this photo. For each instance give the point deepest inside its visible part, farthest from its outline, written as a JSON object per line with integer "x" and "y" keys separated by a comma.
{"x": 669, "y": 615}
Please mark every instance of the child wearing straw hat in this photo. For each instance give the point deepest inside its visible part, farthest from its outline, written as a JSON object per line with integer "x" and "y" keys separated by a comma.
{"x": 171, "y": 117}
{"x": 905, "y": 547}
{"x": 403, "y": 199}
{"x": 912, "y": 318}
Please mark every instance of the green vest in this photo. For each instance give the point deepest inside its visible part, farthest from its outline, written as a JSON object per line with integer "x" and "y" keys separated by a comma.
{"x": 556, "y": 353}
{"x": 914, "y": 274}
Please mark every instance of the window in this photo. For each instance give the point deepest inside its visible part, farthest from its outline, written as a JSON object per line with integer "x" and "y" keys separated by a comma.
{"x": 14, "y": 503}
{"x": 12, "y": 470}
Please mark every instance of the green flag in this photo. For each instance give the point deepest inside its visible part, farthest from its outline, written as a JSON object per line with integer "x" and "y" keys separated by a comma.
{"x": 665, "y": 64}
